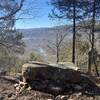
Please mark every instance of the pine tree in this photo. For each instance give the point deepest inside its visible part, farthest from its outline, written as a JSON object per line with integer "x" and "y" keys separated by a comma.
{"x": 69, "y": 10}
{"x": 92, "y": 12}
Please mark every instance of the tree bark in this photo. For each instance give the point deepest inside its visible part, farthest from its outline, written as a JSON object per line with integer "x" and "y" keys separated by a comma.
{"x": 92, "y": 58}
{"x": 89, "y": 62}
{"x": 74, "y": 32}
{"x": 93, "y": 30}
{"x": 57, "y": 54}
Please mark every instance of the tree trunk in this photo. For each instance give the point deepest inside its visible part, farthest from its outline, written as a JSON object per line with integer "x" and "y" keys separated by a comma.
{"x": 96, "y": 69}
{"x": 57, "y": 54}
{"x": 74, "y": 32}
{"x": 92, "y": 33}
{"x": 89, "y": 62}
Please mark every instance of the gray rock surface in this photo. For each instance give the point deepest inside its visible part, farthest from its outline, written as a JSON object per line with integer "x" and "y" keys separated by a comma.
{"x": 39, "y": 71}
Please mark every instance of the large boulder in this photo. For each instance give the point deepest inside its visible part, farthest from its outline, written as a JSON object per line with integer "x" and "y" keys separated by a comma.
{"x": 56, "y": 79}
{"x": 40, "y": 71}
{"x": 49, "y": 78}
{"x": 66, "y": 65}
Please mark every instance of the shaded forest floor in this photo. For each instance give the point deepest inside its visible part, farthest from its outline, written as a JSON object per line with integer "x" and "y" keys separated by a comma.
{"x": 7, "y": 92}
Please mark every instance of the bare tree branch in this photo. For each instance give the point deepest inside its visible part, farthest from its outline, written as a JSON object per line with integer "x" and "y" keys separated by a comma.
{"x": 13, "y": 12}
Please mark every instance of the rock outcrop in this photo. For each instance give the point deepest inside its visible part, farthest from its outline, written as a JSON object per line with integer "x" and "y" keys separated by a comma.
{"x": 39, "y": 71}
{"x": 55, "y": 80}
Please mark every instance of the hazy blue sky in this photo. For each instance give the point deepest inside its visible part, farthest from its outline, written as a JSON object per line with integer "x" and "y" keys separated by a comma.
{"x": 40, "y": 12}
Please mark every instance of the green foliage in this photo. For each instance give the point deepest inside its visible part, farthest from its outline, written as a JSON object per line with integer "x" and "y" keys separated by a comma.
{"x": 13, "y": 64}
{"x": 6, "y": 60}
{"x": 17, "y": 68}
{"x": 10, "y": 62}
{"x": 65, "y": 53}
{"x": 35, "y": 57}
{"x": 97, "y": 28}
{"x": 65, "y": 9}
{"x": 10, "y": 39}
{"x": 82, "y": 48}
{"x": 10, "y": 43}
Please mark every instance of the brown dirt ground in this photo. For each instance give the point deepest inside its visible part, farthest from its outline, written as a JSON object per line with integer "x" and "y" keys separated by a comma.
{"x": 7, "y": 92}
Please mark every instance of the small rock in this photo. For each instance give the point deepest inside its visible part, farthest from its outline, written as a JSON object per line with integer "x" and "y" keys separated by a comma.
{"x": 78, "y": 95}
{"x": 91, "y": 98}
{"x": 16, "y": 85}
{"x": 1, "y": 97}
{"x": 78, "y": 87}
{"x": 70, "y": 99}
{"x": 18, "y": 88}
{"x": 61, "y": 97}
{"x": 10, "y": 95}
